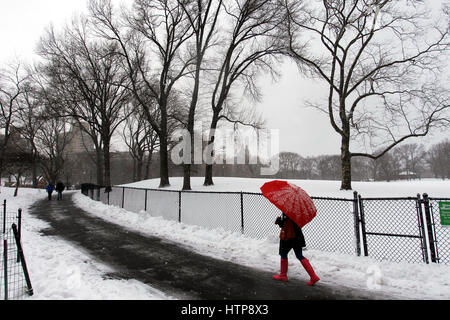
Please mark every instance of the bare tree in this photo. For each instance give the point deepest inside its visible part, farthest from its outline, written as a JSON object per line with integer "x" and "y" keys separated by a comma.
{"x": 250, "y": 44}
{"x": 11, "y": 80}
{"x": 388, "y": 166}
{"x": 152, "y": 38}
{"x": 307, "y": 168}
{"x": 89, "y": 74}
{"x": 141, "y": 140}
{"x": 52, "y": 140}
{"x": 412, "y": 157}
{"x": 381, "y": 61}
{"x": 290, "y": 163}
{"x": 29, "y": 118}
{"x": 328, "y": 167}
{"x": 203, "y": 17}
{"x": 18, "y": 163}
{"x": 438, "y": 159}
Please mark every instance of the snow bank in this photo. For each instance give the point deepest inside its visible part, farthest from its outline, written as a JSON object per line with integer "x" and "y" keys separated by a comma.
{"x": 61, "y": 271}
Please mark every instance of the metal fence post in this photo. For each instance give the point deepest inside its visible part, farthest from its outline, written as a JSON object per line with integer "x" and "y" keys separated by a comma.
{"x": 19, "y": 231}
{"x": 4, "y": 216}
{"x": 363, "y": 226}
{"x": 5, "y": 265}
{"x": 430, "y": 227}
{"x": 423, "y": 238}
{"x": 5, "y": 253}
{"x": 19, "y": 223}
{"x": 179, "y": 206}
{"x": 357, "y": 221}
{"x": 145, "y": 201}
{"x": 242, "y": 212}
{"x": 123, "y": 197}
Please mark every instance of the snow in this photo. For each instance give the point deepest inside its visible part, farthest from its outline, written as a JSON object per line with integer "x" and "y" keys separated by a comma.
{"x": 317, "y": 188}
{"x": 59, "y": 270}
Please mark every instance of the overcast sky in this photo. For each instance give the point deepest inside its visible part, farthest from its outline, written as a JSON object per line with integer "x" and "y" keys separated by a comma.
{"x": 302, "y": 130}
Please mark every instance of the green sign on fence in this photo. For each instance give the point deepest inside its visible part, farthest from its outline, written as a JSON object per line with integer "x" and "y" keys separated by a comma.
{"x": 444, "y": 210}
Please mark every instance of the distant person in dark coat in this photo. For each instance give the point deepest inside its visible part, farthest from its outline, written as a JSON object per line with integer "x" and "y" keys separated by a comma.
{"x": 291, "y": 237}
{"x": 50, "y": 187}
{"x": 60, "y": 188}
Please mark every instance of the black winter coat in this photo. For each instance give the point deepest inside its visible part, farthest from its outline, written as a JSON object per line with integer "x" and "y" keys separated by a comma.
{"x": 60, "y": 187}
{"x": 298, "y": 241}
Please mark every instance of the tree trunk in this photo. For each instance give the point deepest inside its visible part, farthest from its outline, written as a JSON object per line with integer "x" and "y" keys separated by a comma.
{"x": 134, "y": 169}
{"x": 209, "y": 167}
{"x": 346, "y": 165}
{"x": 16, "y": 190}
{"x": 99, "y": 166}
{"x": 34, "y": 167}
{"x": 107, "y": 164}
{"x": 148, "y": 163}
{"x": 163, "y": 148}
{"x": 34, "y": 173}
{"x": 164, "y": 163}
{"x": 191, "y": 119}
{"x": 139, "y": 166}
{"x": 187, "y": 176}
{"x": 187, "y": 166}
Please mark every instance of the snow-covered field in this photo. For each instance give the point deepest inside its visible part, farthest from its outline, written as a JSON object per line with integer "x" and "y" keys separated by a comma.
{"x": 316, "y": 188}
{"x": 58, "y": 270}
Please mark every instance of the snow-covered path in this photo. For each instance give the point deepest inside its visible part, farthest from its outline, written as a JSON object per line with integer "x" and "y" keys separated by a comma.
{"x": 169, "y": 267}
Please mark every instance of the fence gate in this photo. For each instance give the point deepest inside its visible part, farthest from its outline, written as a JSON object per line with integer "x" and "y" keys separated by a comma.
{"x": 393, "y": 229}
{"x": 438, "y": 230}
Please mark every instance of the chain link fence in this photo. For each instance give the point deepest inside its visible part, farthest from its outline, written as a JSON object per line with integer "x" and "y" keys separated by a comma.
{"x": 14, "y": 279}
{"x": 393, "y": 229}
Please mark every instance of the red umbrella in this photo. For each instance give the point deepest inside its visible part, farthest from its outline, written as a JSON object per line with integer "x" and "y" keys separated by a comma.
{"x": 290, "y": 199}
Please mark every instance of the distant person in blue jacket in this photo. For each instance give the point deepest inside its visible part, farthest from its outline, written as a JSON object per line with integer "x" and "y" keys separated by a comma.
{"x": 50, "y": 187}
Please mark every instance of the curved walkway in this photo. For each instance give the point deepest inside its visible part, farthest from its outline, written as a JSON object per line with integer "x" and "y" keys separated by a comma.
{"x": 170, "y": 268}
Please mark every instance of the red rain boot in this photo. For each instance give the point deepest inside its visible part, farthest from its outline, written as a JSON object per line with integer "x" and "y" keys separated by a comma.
{"x": 310, "y": 270}
{"x": 283, "y": 274}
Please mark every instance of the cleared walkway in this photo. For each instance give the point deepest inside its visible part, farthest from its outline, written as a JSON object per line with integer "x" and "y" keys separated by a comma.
{"x": 173, "y": 269}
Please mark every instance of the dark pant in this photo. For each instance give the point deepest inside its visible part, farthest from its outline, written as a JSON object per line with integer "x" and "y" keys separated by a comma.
{"x": 287, "y": 245}
{"x": 49, "y": 196}
{"x": 59, "y": 195}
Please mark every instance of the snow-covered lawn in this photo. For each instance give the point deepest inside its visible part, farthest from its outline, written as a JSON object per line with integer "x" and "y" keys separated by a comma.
{"x": 316, "y": 188}
{"x": 58, "y": 270}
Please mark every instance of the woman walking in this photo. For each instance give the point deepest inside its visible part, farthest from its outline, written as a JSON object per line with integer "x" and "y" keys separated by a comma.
{"x": 291, "y": 237}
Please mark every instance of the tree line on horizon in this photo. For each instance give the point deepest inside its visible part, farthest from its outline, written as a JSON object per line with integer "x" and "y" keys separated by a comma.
{"x": 160, "y": 65}
{"x": 405, "y": 162}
